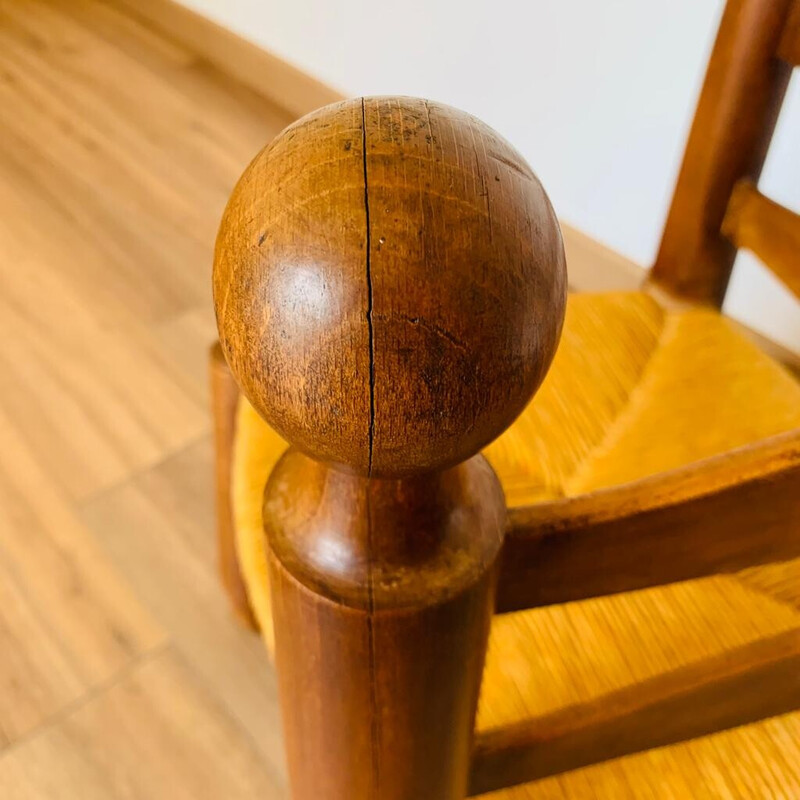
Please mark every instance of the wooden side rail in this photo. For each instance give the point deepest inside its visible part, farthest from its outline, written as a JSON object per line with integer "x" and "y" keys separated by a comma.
{"x": 767, "y": 229}
{"x": 657, "y": 530}
{"x": 390, "y": 286}
{"x": 744, "y": 685}
{"x": 733, "y": 125}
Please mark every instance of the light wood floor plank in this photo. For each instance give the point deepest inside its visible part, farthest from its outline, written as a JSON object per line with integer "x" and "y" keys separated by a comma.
{"x": 69, "y": 621}
{"x": 118, "y": 151}
{"x": 156, "y": 734}
{"x": 158, "y": 528}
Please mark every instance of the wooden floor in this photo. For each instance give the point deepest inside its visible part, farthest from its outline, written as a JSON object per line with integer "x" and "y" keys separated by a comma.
{"x": 122, "y": 672}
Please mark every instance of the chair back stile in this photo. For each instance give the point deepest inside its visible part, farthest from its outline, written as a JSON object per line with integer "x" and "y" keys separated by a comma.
{"x": 749, "y": 70}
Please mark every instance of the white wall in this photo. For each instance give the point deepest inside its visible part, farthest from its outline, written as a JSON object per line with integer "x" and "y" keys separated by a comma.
{"x": 597, "y": 95}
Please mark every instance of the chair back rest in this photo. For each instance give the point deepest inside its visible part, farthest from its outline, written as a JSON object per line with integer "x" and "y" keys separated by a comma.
{"x": 716, "y": 207}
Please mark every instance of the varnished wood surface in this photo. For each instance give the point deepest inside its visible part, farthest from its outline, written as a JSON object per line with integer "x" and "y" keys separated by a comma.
{"x": 122, "y": 673}
{"x": 372, "y": 216}
{"x": 390, "y": 287}
{"x": 731, "y": 131}
{"x": 656, "y": 530}
{"x": 789, "y": 48}
{"x": 744, "y": 685}
{"x": 382, "y": 594}
{"x": 767, "y": 229}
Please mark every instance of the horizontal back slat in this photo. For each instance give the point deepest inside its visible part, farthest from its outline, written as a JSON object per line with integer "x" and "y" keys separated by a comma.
{"x": 767, "y": 229}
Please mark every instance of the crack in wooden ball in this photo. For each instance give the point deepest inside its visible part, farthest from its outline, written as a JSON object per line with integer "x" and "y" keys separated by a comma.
{"x": 390, "y": 284}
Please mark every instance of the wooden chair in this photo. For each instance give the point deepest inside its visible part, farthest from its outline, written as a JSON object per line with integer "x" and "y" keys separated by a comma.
{"x": 390, "y": 289}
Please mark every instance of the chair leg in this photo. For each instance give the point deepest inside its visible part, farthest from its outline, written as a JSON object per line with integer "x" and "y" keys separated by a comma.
{"x": 379, "y": 647}
{"x": 224, "y": 398}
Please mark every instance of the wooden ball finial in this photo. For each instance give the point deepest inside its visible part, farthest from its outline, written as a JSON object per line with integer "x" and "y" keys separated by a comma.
{"x": 390, "y": 284}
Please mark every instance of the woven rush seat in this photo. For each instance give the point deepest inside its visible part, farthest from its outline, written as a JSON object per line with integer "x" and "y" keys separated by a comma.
{"x": 635, "y": 389}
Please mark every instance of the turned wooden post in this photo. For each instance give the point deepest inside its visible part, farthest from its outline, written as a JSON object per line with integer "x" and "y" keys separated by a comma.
{"x": 390, "y": 286}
